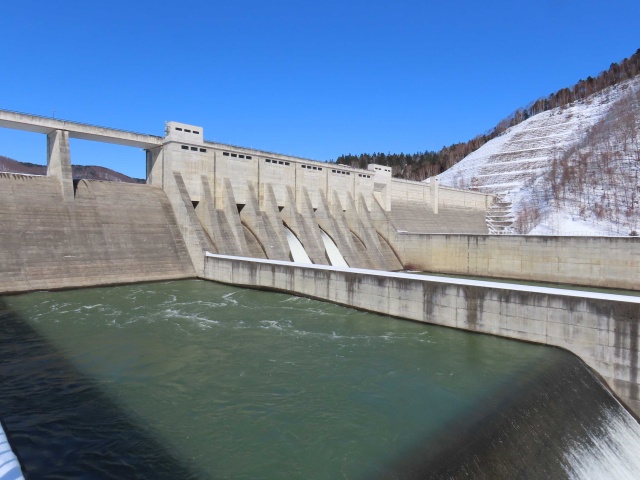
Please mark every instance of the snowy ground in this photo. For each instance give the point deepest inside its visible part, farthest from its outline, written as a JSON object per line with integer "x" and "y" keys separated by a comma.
{"x": 514, "y": 164}
{"x": 564, "y": 223}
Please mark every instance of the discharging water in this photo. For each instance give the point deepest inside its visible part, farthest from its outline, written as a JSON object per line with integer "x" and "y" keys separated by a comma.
{"x": 193, "y": 379}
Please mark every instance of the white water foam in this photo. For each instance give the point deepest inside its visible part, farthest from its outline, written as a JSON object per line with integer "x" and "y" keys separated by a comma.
{"x": 229, "y": 298}
{"x": 200, "y": 320}
{"x": 335, "y": 257}
{"x": 298, "y": 252}
{"x": 91, "y": 307}
{"x": 613, "y": 453}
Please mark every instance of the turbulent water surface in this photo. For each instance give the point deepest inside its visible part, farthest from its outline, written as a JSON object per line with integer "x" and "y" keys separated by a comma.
{"x": 193, "y": 379}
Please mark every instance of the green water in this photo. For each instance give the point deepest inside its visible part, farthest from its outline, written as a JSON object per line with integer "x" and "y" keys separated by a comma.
{"x": 238, "y": 383}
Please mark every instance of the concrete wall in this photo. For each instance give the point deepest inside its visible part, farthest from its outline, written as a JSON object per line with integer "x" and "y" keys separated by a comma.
{"x": 404, "y": 191}
{"x": 233, "y": 189}
{"x": 313, "y": 177}
{"x": 418, "y": 218}
{"x": 463, "y": 198}
{"x": 109, "y": 233}
{"x": 608, "y": 262}
{"x": 188, "y": 153}
{"x": 280, "y": 174}
{"x": 602, "y": 330}
{"x": 409, "y": 192}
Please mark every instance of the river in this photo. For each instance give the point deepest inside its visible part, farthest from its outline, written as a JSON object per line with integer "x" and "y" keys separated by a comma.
{"x": 193, "y": 379}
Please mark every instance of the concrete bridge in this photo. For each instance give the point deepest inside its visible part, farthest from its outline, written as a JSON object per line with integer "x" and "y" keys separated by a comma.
{"x": 48, "y": 126}
{"x": 253, "y": 209}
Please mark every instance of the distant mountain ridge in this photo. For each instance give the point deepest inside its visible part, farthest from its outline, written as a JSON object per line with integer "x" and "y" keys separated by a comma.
{"x": 87, "y": 172}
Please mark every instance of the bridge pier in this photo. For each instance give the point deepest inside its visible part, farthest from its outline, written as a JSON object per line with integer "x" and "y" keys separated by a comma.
{"x": 59, "y": 162}
{"x": 155, "y": 166}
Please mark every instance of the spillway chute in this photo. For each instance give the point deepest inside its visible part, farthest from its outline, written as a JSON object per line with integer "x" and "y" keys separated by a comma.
{"x": 335, "y": 257}
{"x": 298, "y": 253}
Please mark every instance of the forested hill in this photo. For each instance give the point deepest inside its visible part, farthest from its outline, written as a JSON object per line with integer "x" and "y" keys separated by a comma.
{"x": 421, "y": 165}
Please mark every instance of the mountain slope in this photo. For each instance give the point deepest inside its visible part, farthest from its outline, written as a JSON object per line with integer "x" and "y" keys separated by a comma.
{"x": 88, "y": 172}
{"x": 535, "y": 164}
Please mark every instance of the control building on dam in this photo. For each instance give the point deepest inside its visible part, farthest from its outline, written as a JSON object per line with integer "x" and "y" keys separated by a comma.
{"x": 241, "y": 216}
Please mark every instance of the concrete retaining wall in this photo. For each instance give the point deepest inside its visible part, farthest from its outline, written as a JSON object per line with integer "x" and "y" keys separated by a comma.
{"x": 109, "y": 233}
{"x": 608, "y": 262}
{"x": 601, "y": 329}
{"x": 405, "y": 191}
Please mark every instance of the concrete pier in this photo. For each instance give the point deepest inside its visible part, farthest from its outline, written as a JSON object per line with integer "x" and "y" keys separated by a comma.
{"x": 59, "y": 162}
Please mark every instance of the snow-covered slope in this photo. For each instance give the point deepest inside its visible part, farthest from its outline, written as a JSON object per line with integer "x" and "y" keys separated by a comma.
{"x": 515, "y": 164}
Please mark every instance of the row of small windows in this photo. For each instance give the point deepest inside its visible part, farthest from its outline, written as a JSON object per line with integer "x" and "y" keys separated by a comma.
{"x": 277, "y": 162}
{"x": 268, "y": 160}
{"x": 187, "y": 130}
{"x": 193, "y": 149}
{"x": 382, "y": 169}
{"x": 237, "y": 155}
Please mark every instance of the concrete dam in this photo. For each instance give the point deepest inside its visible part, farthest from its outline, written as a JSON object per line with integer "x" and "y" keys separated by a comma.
{"x": 245, "y": 217}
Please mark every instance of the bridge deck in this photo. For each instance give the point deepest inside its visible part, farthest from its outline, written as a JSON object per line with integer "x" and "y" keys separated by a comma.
{"x": 46, "y": 125}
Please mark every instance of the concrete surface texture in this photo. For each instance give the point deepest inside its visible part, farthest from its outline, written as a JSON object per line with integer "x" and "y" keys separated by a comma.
{"x": 607, "y": 262}
{"x": 110, "y": 233}
{"x": 601, "y": 329}
{"x": 59, "y": 162}
{"x": 419, "y": 218}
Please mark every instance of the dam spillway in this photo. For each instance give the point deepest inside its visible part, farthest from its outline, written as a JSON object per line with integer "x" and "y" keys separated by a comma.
{"x": 222, "y": 212}
{"x": 201, "y": 380}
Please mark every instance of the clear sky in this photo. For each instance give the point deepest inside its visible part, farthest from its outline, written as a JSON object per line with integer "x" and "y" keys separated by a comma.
{"x": 310, "y": 78}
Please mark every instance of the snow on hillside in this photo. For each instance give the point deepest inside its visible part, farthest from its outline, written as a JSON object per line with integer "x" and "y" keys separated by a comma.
{"x": 516, "y": 166}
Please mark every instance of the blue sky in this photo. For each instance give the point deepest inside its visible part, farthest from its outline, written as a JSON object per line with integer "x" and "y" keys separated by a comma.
{"x": 308, "y": 78}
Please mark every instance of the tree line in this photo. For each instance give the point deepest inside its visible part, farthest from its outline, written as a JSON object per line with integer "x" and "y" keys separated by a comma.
{"x": 420, "y": 165}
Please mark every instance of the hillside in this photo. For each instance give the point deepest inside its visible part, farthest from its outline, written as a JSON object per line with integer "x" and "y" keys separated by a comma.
{"x": 569, "y": 170}
{"x": 420, "y": 165}
{"x": 89, "y": 172}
